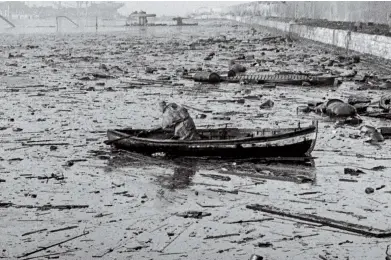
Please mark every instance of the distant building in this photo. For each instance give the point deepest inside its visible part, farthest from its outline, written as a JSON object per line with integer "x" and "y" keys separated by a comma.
{"x": 41, "y": 9}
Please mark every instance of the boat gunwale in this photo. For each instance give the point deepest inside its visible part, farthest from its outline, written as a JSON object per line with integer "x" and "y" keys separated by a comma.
{"x": 302, "y": 131}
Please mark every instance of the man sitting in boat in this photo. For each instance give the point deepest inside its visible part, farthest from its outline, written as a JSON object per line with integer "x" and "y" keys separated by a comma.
{"x": 178, "y": 118}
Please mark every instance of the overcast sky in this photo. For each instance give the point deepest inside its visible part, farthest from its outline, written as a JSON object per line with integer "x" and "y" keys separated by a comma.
{"x": 171, "y": 8}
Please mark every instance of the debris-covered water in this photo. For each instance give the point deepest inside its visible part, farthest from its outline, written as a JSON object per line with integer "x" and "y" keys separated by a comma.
{"x": 61, "y": 92}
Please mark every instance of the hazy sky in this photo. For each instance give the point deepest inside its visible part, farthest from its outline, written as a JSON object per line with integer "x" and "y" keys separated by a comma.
{"x": 171, "y": 8}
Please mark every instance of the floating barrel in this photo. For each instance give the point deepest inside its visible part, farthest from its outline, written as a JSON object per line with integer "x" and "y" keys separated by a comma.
{"x": 209, "y": 77}
{"x": 231, "y": 73}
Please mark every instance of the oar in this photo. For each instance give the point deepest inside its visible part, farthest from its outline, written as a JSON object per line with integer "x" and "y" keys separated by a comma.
{"x": 108, "y": 142}
{"x": 197, "y": 109}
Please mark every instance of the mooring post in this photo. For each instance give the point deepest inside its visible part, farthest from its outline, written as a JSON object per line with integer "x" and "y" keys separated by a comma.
{"x": 96, "y": 23}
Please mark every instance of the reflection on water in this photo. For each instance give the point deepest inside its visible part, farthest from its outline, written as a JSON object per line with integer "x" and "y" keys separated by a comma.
{"x": 182, "y": 170}
{"x": 180, "y": 179}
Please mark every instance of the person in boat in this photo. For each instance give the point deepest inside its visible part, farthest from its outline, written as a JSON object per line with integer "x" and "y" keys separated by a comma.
{"x": 177, "y": 118}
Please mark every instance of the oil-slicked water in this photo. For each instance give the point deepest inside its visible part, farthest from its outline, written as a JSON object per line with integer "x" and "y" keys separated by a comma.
{"x": 54, "y": 121}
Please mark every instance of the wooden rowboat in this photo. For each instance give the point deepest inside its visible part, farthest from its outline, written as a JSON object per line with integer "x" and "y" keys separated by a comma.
{"x": 220, "y": 143}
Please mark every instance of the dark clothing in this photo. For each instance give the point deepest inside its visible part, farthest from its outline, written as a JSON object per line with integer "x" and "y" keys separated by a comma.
{"x": 177, "y": 117}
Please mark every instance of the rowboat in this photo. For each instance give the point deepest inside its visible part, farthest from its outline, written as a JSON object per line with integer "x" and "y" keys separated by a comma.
{"x": 220, "y": 142}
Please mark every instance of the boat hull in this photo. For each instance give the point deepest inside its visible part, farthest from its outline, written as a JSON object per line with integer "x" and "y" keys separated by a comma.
{"x": 294, "y": 144}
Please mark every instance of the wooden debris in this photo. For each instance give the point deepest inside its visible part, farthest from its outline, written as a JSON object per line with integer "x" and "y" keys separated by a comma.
{"x": 263, "y": 244}
{"x": 209, "y": 206}
{"x": 43, "y": 248}
{"x": 353, "y": 172}
{"x": 354, "y": 228}
{"x": 194, "y": 214}
{"x": 248, "y": 221}
{"x": 224, "y": 191}
{"x": 348, "y": 180}
{"x": 62, "y": 229}
{"x": 43, "y": 144}
{"x": 348, "y": 213}
{"x": 49, "y": 255}
{"x": 222, "y": 236}
{"x": 308, "y": 193}
{"x": 102, "y": 215}
{"x": 44, "y": 207}
{"x": 216, "y": 177}
{"x": 33, "y": 232}
{"x": 175, "y": 238}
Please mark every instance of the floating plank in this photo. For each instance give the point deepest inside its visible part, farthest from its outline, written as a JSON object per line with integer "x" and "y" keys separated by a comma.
{"x": 354, "y": 228}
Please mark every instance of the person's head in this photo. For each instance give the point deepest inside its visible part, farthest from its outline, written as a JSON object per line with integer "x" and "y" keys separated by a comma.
{"x": 162, "y": 105}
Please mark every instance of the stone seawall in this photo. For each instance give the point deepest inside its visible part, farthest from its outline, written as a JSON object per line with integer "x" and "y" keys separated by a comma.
{"x": 376, "y": 45}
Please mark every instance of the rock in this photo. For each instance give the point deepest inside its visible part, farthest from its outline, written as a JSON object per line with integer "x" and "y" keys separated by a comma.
{"x": 375, "y": 138}
{"x": 241, "y": 57}
{"x": 237, "y": 67}
{"x": 11, "y": 63}
{"x": 330, "y": 63}
{"x": 69, "y": 163}
{"x": 353, "y": 172}
{"x": 306, "y": 84}
{"x": 100, "y": 83}
{"x": 373, "y": 133}
{"x": 267, "y": 104}
{"x": 356, "y": 59}
{"x": 369, "y": 190}
{"x": 385, "y": 85}
{"x": 90, "y": 89}
{"x": 208, "y": 58}
{"x": 150, "y": 70}
{"x": 348, "y": 73}
{"x": 337, "y": 82}
{"x": 104, "y": 67}
{"x": 335, "y": 107}
{"x": 164, "y": 77}
{"x": 192, "y": 234}
{"x": 354, "y": 121}
{"x": 341, "y": 57}
{"x": 201, "y": 116}
{"x": 355, "y": 99}
{"x": 53, "y": 148}
{"x": 250, "y": 57}
{"x": 265, "y": 244}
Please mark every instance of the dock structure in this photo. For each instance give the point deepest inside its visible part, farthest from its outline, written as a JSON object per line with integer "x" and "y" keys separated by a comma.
{"x": 179, "y": 21}
{"x": 142, "y": 17}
